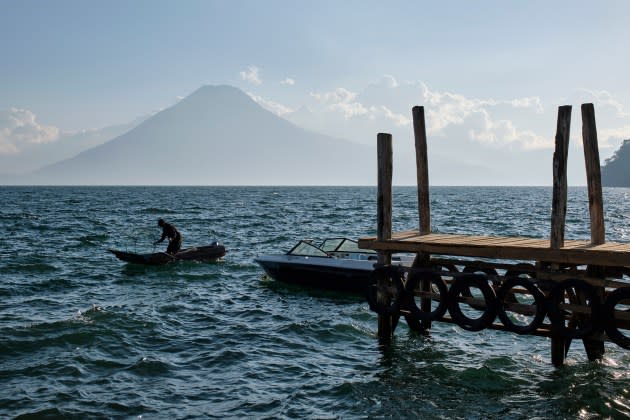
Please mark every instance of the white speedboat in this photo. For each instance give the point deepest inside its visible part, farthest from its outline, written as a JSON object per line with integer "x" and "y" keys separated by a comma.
{"x": 335, "y": 264}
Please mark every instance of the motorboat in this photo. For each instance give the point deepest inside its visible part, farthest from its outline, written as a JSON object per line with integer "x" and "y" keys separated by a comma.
{"x": 334, "y": 264}
{"x": 206, "y": 253}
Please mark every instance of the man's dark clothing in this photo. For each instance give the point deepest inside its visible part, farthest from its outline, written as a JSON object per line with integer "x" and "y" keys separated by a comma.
{"x": 174, "y": 238}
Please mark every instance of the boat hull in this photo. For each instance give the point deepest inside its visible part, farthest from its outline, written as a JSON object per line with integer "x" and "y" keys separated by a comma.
{"x": 309, "y": 273}
{"x": 208, "y": 253}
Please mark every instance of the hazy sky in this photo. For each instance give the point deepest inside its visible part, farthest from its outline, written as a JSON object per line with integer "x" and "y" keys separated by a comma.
{"x": 489, "y": 72}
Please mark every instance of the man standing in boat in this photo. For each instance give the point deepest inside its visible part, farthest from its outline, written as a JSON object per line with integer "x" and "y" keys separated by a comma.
{"x": 174, "y": 237}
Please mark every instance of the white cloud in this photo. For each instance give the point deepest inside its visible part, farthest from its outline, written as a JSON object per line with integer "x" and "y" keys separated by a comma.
{"x": 612, "y": 137}
{"x": 524, "y": 123}
{"x": 274, "y": 107}
{"x": 389, "y": 81}
{"x": 450, "y": 109}
{"x": 344, "y": 101}
{"x": 287, "y": 82}
{"x": 341, "y": 100}
{"x": 339, "y": 95}
{"x": 251, "y": 75}
{"x": 349, "y": 109}
{"x": 531, "y": 102}
{"x": 19, "y": 127}
{"x": 382, "y": 111}
{"x": 605, "y": 98}
{"x": 504, "y": 131}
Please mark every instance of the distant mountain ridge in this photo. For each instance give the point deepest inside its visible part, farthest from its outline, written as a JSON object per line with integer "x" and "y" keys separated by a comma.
{"x": 616, "y": 170}
{"x": 33, "y": 157}
{"x": 216, "y": 136}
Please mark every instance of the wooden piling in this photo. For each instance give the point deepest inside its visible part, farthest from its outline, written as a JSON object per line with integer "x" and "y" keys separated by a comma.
{"x": 593, "y": 174}
{"x": 593, "y": 345}
{"x": 384, "y": 225}
{"x": 559, "y": 198}
{"x": 559, "y": 345}
{"x": 422, "y": 169}
{"x": 424, "y": 205}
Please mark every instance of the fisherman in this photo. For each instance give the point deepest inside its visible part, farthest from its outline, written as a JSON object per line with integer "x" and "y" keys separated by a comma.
{"x": 174, "y": 237}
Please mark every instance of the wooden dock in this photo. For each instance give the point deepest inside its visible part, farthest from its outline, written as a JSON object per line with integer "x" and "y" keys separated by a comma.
{"x": 555, "y": 288}
{"x": 574, "y": 252}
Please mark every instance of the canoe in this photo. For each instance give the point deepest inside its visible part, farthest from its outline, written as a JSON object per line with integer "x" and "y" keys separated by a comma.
{"x": 207, "y": 253}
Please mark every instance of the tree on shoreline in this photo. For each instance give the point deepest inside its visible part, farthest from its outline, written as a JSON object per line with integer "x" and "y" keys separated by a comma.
{"x": 616, "y": 170}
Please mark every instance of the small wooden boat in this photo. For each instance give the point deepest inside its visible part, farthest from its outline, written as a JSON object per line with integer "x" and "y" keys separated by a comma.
{"x": 207, "y": 253}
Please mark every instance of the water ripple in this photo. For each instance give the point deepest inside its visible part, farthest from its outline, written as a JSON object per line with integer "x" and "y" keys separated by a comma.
{"x": 84, "y": 336}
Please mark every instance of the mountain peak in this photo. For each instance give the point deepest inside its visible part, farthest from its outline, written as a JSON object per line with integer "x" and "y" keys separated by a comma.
{"x": 216, "y": 135}
{"x": 225, "y": 96}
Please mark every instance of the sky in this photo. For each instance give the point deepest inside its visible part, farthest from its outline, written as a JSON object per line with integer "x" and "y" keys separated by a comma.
{"x": 490, "y": 74}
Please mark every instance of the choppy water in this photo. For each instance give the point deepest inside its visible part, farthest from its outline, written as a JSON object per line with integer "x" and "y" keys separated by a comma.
{"x": 84, "y": 335}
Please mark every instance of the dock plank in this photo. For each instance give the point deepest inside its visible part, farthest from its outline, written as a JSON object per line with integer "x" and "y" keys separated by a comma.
{"x": 514, "y": 248}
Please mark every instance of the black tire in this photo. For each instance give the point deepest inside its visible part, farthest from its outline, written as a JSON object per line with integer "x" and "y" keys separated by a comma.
{"x": 504, "y": 294}
{"x": 584, "y": 328}
{"x": 479, "y": 272}
{"x": 517, "y": 272}
{"x": 520, "y": 269}
{"x": 396, "y": 276}
{"x": 460, "y": 286}
{"x": 446, "y": 267}
{"x": 418, "y": 313}
{"x": 610, "y": 324}
{"x": 469, "y": 269}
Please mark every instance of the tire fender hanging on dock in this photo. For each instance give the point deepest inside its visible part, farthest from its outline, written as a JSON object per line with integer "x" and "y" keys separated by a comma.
{"x": 610, "y": 323}
{"x": 412, "y": 284}
{"x": 372, "y": 293}
{"x": 460, "y": 286}
{"x": 586, "y": 325}
{"x": 505, "y": 297}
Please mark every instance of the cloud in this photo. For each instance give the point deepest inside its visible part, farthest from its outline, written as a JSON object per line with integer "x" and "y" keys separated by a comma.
{"x": 287, "y": 82}
{"x": 382, "y": 111}
{"x": 343, "y": 101}
{"x": 612, "y": 118}
{"x": 605, "y": 98}
{"x": 612, "y": 137}
{"x": 18, "y": 127}
{"x": 274, "y": 107}
{"x": 389, "y": 81}
{"x": 530, "y": 102}
{"x": 521, "y": 123}
{"x": 504, "y": 131}
{"x": 251, "y": 75}
{"x": 448, "y": 109}
{"x": 337, "y": 96}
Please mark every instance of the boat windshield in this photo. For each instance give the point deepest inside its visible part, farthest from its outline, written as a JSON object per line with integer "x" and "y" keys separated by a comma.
{"x": 343, "y": 245}
{"x": 330, "y": 245}
{"x": 307, "y": 249}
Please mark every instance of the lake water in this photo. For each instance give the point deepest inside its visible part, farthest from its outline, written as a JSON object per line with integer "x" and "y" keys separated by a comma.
{"x": 83, "y": 335}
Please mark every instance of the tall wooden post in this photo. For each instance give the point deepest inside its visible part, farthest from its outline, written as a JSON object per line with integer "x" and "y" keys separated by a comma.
{"x": 559, "y": 344}
{"x": 384, "y": 225}
{"x": 559, "y": 199}
{"x": 593, "y": 174}
{"x": 594, "y": 345}
{"x": 422, "y": 169}
{"x": 424, "y": 205}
